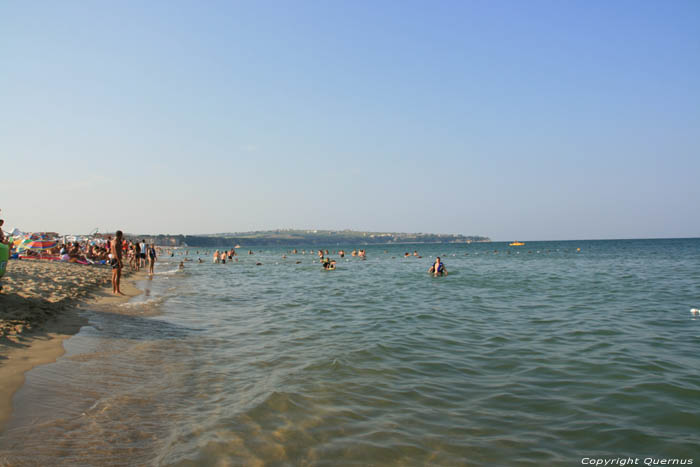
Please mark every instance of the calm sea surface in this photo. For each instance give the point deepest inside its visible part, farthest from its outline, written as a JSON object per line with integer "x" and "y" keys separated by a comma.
{"x": 531, "y": 355}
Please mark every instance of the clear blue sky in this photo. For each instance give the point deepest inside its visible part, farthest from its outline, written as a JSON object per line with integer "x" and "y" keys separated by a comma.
{"x": 516, "y": 120}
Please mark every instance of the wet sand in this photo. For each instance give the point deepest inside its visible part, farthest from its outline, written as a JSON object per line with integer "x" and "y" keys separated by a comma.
{"x": 39, "y": 308}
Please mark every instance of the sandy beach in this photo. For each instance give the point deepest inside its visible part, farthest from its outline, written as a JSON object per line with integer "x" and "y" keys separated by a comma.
{"x": 35, "y": 291}
{"x": 39, "y": 309}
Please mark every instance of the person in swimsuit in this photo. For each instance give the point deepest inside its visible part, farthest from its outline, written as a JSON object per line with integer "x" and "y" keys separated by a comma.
{"x": 137, "y": 256}
{"x": 152, "y": 257}
{"x": 142, "y": 253}
{"x": 438, "y": 268}
{"x": 116, "y": 262}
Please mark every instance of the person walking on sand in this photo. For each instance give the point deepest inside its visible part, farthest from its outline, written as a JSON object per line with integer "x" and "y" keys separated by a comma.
{"x": 151, "y": 259}
{"x": 116, "y": 262}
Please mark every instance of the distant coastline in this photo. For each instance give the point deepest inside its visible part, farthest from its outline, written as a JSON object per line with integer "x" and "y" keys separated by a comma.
{"x": 290, "y": 237}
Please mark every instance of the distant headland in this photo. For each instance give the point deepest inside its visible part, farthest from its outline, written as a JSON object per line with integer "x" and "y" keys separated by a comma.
{"x": 292, "y": 237}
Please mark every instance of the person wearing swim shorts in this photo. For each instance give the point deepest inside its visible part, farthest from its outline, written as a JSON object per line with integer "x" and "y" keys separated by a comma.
{"x": 116, "y": 263}
{"x": 142, "y": 253}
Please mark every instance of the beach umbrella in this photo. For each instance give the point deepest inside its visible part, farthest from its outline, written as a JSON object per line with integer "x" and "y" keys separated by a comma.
{"x": 37, "y": 242}
{"x": 39, "y": 245}
{"x": 39, "y": 236}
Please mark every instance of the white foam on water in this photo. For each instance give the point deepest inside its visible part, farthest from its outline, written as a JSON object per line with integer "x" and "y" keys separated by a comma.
{"x": 169, "y": 273}
{"x": 144, "y": 303}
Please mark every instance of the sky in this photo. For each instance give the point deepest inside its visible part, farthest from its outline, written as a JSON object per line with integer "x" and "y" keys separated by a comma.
{"x": 535, "y": 120}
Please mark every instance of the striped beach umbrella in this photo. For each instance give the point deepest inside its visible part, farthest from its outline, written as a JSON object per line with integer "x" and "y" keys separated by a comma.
{"x": 36, "y": 242}
{"x": 39, "y": 245}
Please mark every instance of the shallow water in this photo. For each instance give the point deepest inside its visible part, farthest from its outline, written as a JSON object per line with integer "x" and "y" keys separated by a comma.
{"x": 530, "y": 355}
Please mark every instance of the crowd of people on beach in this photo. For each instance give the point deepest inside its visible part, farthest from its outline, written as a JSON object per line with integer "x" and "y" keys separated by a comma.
{"x": 138, "y": 254}
{"x": 110, "y": 251}
{"x": 119, "y": 250}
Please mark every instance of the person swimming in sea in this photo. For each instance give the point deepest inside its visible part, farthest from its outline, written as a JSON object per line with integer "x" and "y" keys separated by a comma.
{"x": 438, "y": 268}
{"x": 328, "y": 264}
{"x": 181, "y": 266}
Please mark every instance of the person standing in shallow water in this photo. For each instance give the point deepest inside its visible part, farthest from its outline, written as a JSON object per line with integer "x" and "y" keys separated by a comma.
{"x": 116, "y": 262}
{"x": 151, "y": 259}
{"x": 142, "y": 257}
{"x": 438, "y": 268}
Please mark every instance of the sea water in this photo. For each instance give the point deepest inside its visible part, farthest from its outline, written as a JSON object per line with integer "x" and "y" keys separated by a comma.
{"x": 542, "y": 354}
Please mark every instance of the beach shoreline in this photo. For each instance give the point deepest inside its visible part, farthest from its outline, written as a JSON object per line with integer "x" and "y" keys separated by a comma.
{"x": 40, "y": 308}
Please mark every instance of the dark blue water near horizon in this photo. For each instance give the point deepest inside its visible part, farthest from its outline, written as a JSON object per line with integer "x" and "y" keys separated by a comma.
{"x": 541, "y": 354}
